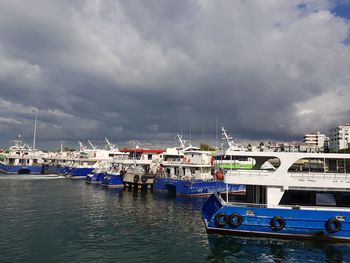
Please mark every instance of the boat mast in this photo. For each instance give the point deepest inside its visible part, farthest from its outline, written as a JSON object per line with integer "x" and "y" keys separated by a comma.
{"x": 228, "y": 138}
{"x": 35, "y": 123}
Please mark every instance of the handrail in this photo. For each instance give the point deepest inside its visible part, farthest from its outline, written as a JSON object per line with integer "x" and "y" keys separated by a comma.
{"x": 307, "y": 175}
{"x": 319, "y": 208}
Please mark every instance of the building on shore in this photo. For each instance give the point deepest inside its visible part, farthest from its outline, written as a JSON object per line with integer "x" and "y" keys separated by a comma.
{"x": 315, "y": 142}
{"x": 339, "y": 137}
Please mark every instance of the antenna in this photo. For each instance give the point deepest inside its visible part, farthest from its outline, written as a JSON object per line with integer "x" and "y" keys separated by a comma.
{"x": 216, "y": 132}
{"x": 107, "y": 141}
{"x": 190, "y": 136}
{"x": 82, "y": 147}
{"x": 92, "y": 146}
{"x": 182, "y": 142}
{"x": 35, "y": 122}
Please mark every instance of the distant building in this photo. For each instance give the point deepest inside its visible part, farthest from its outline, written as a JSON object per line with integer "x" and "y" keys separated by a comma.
{"x": 315, "y": 141}
{"x": 339, "y": 137}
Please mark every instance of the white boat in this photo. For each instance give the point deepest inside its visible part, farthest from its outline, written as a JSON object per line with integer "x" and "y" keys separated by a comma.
{"x": 307, "y": 195}
{"x": 20, "y": 158}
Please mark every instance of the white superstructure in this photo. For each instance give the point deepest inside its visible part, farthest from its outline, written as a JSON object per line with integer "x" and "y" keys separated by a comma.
{"x": 294, "y": 171}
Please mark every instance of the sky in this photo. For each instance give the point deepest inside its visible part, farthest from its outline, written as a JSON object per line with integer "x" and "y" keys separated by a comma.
{"x": 146, "y": 70}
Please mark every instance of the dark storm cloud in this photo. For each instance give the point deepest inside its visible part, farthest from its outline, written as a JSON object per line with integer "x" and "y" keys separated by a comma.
{"x": 144, "y": 70}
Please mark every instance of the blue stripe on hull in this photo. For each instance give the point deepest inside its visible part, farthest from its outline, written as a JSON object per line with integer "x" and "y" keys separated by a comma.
{"x": 80, "y": 172}
{"x": 309, "y": 224}
{"x": 64, "y": 170}
{"x": 193, "y": 188}
{"x": 16, "y": 169}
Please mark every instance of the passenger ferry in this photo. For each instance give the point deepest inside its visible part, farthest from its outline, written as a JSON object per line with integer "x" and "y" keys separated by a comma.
{"x": 191, "y": 172}
{"x": 306, "y": 196}
{"x": 88, "y": 159}
{"x": 21, "y": 159}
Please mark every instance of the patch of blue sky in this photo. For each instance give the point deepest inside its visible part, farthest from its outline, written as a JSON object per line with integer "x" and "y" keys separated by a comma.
{"x": 341, "y": 8}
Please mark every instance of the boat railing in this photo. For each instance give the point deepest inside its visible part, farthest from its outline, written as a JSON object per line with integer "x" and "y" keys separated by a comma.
{"x": 249, "y": 172}
{"x": 294, "y": 207}
{"x": 311, "y": 175}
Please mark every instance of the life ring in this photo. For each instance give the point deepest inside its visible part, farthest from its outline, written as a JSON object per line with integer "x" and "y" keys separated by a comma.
{"x": 203, "y": 162}
{"x": 221, "y": 219}
{"x": 277, "y": 223}
{"x": 235, "y": 220}
{"x": 144, "y": 179}
{"x": 333, "y": 225}
{"x": 219, "y": 175}
{"x": 136, "y": 178}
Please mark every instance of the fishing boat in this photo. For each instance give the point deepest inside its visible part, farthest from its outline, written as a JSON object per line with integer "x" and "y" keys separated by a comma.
{"x": 189, "y": 171}
{"x": 113, "y": 179}
{"x": 141, "y": 166}
{"x": 305, "y": 196}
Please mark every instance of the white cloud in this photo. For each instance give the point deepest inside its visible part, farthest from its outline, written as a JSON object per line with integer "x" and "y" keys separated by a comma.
{"x": 263, "y": 67}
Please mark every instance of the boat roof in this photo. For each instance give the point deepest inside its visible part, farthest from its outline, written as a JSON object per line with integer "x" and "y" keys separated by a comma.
{"x": 139, "y": 150}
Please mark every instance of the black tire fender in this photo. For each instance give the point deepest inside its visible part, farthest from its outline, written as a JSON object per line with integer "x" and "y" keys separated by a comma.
{"x": 221, "y": 219}
{"x": 136, "y": 178}
{"x": 235, "y": 220}
{"x": 144, "y": 179}
{"x": 278, "y": 223}
{"x": 333, "y": 225}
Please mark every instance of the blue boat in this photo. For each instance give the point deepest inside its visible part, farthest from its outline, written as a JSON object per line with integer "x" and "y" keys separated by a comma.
{"x": 20, "y": 169}
{"x": 194, "y": 187}
{"x": 80, "y": 172}
{"x": 306, "y": 196}
{"x": 21, "y": 159}
{"x": 95, "y": 177}
{"x": 112, "y": 180}
{"x": 191, "y": 172}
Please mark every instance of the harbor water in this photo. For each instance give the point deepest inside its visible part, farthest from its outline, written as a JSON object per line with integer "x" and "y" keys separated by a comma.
{"x": 62, "y": 220}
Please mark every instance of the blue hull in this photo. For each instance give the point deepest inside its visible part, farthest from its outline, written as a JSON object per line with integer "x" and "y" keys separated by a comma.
{"x": 94, "y": 178}
{"x": 64, "y": 170}
{"x": 50, "y": 169}
{"x": 275, "y": 222}
{"x": 112, "y": 180}
{"x": 20, "y": 169}
{"x": 80, "y": 173}
{"x": 194, "y": 188}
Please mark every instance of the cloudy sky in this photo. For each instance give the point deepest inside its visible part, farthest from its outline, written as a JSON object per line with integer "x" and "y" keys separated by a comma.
{"x": 146, "y": 70}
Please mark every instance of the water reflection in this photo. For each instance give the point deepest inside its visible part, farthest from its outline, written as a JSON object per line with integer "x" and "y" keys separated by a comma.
{"x": 194, "y": 202}
{"x": 233, "y": 249}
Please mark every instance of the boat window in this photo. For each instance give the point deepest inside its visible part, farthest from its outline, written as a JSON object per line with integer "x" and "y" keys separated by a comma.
{"x": 150, "y": 157}
{"x": 297, "y": 198}
{"x": 344, "y": 199}
{"x": 325, "y": 199}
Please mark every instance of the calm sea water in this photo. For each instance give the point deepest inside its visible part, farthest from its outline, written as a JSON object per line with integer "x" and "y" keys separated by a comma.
{"x": 62, "y": 220}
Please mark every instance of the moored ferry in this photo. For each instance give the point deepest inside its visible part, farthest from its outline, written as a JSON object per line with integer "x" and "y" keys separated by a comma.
{"x": 190, "y": 171}
{"x": 21, "y": 159}
{"x": 305, "y": 196}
